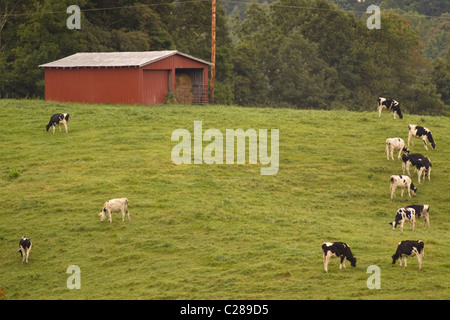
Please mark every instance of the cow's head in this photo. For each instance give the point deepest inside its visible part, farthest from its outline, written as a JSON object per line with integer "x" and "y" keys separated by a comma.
{"x": 413, "y": 189}
{"x": 399, "y": 216}
{"x": 433, "y": 145}
{"x": 102, "y": 215}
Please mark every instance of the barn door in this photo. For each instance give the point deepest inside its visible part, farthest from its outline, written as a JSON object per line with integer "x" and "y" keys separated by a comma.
{"x": 156, "y": 86}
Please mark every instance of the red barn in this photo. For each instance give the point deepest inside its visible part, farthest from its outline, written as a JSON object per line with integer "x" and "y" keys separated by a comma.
{"x": 127, "y": 78}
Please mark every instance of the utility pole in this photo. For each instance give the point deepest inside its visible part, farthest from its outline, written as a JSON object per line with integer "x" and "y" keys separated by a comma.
{"x": 213, "y": 48}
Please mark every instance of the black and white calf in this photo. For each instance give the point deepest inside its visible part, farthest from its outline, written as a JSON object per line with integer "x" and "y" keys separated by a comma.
{"x": 409, "y": 248}
{"x": 422, "y": 210}
{"x": 389, "y": 104}
{"x": 402, "y": 182}
{"x": 115, "y": 205}
{"x": 402, "y": 215}
{"x": 58, "y": 119}
{"x": 25, "y": 248}
{"x": 337, "y": 250}
{"x": 395, "y": 144}
{"x": 422, "y": 133}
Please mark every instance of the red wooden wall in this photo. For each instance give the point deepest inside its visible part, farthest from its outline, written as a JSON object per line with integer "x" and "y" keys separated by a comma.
{"x": 124, "y": 85}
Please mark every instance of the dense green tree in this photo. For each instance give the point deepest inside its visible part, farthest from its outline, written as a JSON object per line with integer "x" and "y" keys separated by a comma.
{"x": 441, "y": 76}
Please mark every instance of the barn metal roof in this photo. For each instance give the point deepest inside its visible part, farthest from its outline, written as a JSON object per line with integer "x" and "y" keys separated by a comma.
{"x": 114, "y": 59}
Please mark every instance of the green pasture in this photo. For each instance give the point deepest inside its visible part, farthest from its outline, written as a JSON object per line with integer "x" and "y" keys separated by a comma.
{"x": 220, "y": 231}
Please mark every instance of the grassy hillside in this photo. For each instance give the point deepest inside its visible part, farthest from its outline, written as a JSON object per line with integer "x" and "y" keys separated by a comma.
{"x": 212, "y": 231}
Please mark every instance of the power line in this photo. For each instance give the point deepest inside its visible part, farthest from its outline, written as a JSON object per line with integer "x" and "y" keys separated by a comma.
{"x": 273, "y": 4}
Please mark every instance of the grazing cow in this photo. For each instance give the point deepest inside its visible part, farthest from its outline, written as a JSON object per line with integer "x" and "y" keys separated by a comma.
{"x": 411, "y": 159}
{"x": 422, "y": 211}
{"x": 25, "y": 248}
{"x": 402, "y": 215}
{"x": 422, "y": 133}
{"x": 424, "y": 168}
{"x": 58, "y": 119}
{"x": 389, "y": 104}
{"x": 115, "y": 205}
{"x": 409, "y": 248}
{"x": 337, "y": 249}
{"x": 402, "y": 182}
{"x": 394, "y": 144}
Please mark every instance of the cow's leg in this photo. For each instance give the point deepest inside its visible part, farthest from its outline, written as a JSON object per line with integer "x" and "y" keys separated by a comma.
{"x": 327, "y": 260}
{"x": 65, "y": 126}
{"x": 425, "y": 143}
{"x": 410, "y": 137}
{"x": 342, "y": 264}
{"x": 110, "y": 216}
{"x": 22, "y": 251}
{"x": 54, "y": 127}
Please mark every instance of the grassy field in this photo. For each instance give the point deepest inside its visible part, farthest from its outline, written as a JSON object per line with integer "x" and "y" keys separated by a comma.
{"x": 212, "y": 231}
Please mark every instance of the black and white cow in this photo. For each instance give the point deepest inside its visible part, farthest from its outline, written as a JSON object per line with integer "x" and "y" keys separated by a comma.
{"x": 422, "y": 210}
{"x": 402, "y": 182}
{"x": 25, "y": 248}
{"x": 337, "y": 250}
{"x": 409, "y": 248}
{"x": 389, "y": 104}
{"x": 411, "y": 159}
{"x": 395, "y": 144}
{"x": 58, "y": 119}
{"x": 402, "y": 215}
{"x": 115, "y": 205}
{"x": 422, "y": 164}
{"x": 422, "y": 133}
{"x": 424, "y": 168}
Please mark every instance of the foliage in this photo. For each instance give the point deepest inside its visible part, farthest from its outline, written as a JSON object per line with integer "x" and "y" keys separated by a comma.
{"x": 300, "y": 53}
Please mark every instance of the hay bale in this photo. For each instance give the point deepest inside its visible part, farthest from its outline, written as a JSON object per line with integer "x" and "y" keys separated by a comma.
{"x": 183, "y": 88}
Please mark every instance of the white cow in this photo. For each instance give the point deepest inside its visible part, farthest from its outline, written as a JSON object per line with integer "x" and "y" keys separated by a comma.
{"x": 402, "y": 182}
{"x": 394, "y": 144}
{"x": 115, "y": 205}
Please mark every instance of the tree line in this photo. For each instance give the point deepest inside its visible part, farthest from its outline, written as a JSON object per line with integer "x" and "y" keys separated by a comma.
{"x": 316, "y": 54}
